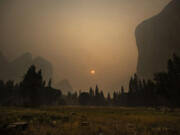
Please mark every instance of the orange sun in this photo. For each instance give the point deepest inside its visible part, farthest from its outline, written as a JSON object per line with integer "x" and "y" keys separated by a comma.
{"x": 93, "y": 72}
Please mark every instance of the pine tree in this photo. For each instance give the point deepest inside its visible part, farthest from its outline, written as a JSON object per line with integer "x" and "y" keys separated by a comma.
{"x": 31, "y": 83}
{"x": 91, "y": 92}
{"x": 96, "y": 91}
{"x": 50, "y": 83}
{"x": 108, "y": 97}
{"x": 122, "y": 90}
{"x": 131, "y": 85}
{"x": 135, "y": 83}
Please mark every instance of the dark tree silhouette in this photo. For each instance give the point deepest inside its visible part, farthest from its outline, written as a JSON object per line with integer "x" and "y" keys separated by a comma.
{"x": 50, "y": 83}
{"x": 84, "y": 98}
{"x": 163, "y": 90}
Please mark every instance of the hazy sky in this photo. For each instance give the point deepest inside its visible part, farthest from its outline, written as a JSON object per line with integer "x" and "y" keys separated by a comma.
{"x": 77, "y": 36}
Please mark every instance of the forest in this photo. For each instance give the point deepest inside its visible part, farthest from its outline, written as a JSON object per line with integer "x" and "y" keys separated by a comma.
{"x": 33, "y": 91}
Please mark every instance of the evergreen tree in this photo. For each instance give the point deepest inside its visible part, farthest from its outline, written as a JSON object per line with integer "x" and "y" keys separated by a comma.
{"x": 122, "y": 90}
{"x": 96, "y": 91}
{"x": 135, "y": 83}
{"x": 91, "y": 92}
{"x": 84, "y": 98}
{"x": 108, "y": 97}
{"x": 131, "y": 85}
{"x": 50, "y": 83}
{"x": 31, "y": 83}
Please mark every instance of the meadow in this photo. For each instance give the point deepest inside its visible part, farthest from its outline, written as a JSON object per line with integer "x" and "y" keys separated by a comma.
{"x": 77, "y": 120}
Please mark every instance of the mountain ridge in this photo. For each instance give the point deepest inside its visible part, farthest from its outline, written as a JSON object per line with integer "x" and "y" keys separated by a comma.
{"x": 15, "y": 69}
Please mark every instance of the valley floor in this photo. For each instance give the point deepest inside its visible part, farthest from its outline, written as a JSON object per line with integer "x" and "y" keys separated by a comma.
{"x": 89, "y": 121}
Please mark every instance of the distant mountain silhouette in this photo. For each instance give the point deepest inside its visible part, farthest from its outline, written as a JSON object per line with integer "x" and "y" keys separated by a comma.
{"x": 3, "y": 66}
{"x": 15, "y": 70}
{"x": 2, "y": 59}
{"x": 157, "y": 38}
{"x": 64, "y": 86}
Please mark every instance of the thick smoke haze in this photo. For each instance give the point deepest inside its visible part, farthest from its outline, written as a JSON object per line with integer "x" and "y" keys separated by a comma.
{"x": 77, "y": 36}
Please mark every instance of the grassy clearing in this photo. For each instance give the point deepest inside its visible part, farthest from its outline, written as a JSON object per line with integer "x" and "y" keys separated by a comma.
{"x": 90, "y": 121}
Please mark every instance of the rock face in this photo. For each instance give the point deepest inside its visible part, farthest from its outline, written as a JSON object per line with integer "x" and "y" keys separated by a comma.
{"x": 64, "y": 86}
{"x": 157, "y": 39}
{"x": 16, "y": 69}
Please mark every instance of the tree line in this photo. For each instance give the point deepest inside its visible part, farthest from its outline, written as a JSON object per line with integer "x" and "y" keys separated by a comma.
{"x": 31, "y": 91}
{"x": 162, "y": 90}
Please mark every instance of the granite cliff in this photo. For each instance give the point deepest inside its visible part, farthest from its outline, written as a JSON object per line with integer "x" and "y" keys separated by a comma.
{"x": 157, "y": 39}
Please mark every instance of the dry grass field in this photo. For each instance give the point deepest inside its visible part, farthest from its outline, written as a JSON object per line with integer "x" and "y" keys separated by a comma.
{"x": 89, "y": 121}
